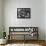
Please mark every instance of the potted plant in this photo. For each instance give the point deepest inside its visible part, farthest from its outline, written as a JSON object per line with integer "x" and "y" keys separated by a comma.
{"x": 2, "y": 37}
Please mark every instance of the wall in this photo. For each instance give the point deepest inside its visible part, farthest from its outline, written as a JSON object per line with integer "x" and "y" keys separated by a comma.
{"x": 37, "y": 15}
{"x": 0, "y": 18}
{"x": 45, "y": 19}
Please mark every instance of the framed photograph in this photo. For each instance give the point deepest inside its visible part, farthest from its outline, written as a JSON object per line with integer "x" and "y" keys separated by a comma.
{"x": 23, "y": 13}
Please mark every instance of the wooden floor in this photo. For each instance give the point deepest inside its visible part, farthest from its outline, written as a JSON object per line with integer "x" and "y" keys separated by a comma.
{"x": 40, "y": 42}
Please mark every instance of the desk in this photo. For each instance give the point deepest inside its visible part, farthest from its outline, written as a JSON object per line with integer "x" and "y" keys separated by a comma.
{"x": 23, "y": 32}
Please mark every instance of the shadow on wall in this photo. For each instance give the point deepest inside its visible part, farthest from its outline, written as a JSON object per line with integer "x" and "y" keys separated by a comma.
{"x": 1, "y": 34}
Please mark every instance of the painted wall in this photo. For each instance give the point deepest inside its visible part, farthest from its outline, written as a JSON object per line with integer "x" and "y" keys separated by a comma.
{"x": 37, "y": 15}
{"x": 45, "y": 18}
{"x": 0, "y": 18}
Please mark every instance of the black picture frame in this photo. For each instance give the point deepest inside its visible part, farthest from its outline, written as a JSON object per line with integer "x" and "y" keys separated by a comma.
{"x": 23, "y": 13}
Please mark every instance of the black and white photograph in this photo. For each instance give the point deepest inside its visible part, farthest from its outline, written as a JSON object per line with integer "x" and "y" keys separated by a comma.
{"x": 23, "y": 12}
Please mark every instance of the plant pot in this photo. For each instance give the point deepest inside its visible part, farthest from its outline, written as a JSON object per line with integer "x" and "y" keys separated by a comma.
{"x": 3, "y": 41}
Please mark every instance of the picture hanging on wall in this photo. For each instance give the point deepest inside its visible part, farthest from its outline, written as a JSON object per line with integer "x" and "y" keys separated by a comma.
{"x": 23, "y": 13}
